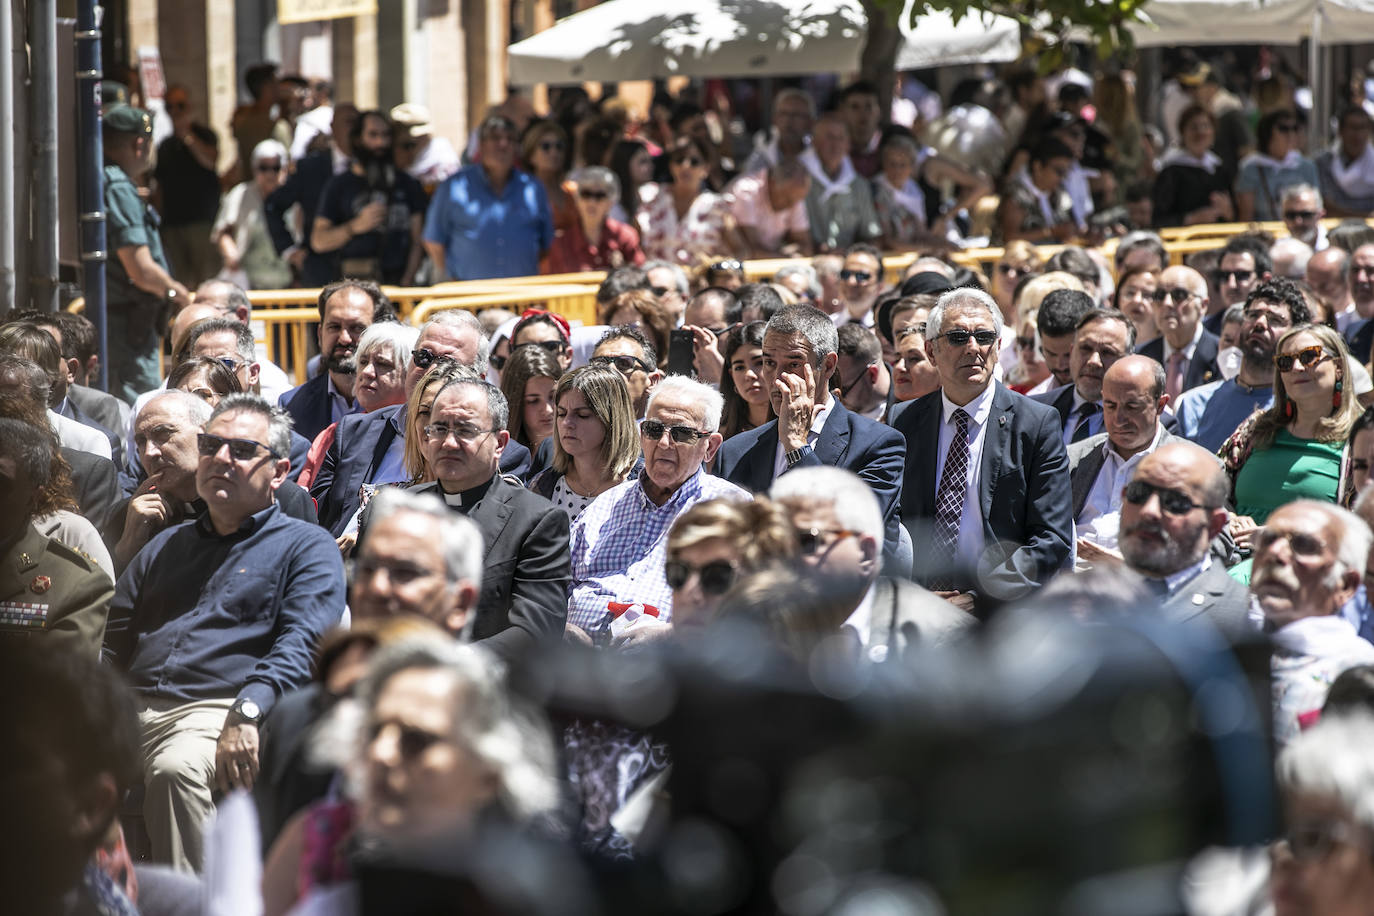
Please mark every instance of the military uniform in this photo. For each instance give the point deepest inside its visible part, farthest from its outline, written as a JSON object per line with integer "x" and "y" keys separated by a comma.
{"x": 135, "y": 318}
{"x": 49, "y": 588}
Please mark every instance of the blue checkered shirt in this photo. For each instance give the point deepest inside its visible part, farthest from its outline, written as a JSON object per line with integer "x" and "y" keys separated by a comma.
{"x": 620, "y": 543}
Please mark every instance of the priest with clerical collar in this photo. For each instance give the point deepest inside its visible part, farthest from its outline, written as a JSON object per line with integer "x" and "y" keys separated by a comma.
{"x": 526, "y": 570}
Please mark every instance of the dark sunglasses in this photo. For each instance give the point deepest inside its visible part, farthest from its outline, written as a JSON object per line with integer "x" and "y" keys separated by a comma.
{"x": 424, "y": 357}
{"x": 1307, "y": 356}
{"x": 716, "y": 578}
{"x": 693, "y": 161}
{"x": 1177, "y": 295}
{"x": 1011, "y": 270}
{"x": 268, "y": 166}
{"x": 551, "y": 347}
{"x": 1242, "y": 276}
{"x": 1300, "y": 215}
{"x": 728, "y": 264}
{"x": 551, "y": 146}
{"x": 623, "y": 364}
{"x": 1138, "y": 493}
{"x": 858, "y": 276}
{"x": 960, "y": 337}
{"x": 813, "y": 540}
{"x": 239, "y": 449}
{"x": 653, "y": 429}
{"x": 593, "y": 195}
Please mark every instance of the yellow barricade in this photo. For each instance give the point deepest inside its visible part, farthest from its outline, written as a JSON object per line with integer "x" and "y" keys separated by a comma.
{"x": 576, "y": 303}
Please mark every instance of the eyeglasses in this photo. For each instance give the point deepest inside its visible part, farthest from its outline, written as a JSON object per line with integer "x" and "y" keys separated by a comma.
{"x": 812, "y": 541}
{"x": 654, "y": 430}
{"x": 230, "y": 363}
{"x": 1241, "y": 276}
{"x": 1172, "y": 501}
{"x": 1300, "y": 215}
{"x": 551, "y": 146}
{"x": 268, "y": 167}
{"x": 960, "y": 338}
{"x": 625, "y": 365}
{"x": 1307, "y": 356}
{"x": 1178, "y": 295}
{"x": 590, "y": 194}
{"x": 715, "y": 578}
{"x": 1314, "y": 842}
{"x": 1303, "y": 545}
{"x": 856, "y": 276}
{"x": 463, "y": 432}
{"x": 398, "y": 573}
{"x": 727, "y": 264}
{"x": 239, "y": 449}
{"x": 551, "y": 347}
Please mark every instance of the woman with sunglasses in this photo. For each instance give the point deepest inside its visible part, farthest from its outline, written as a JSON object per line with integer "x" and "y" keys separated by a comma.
{"x": 1192, "y": 183}
{"x": 240, "y": 230}
{"x": 1134, "y": 297}
{"x": 684, "y": 222}
{"x": 1019, "y": 260}
{"x": 544, "y": 150}
{"x": 1299, "y": 447}
{"x": 594, "y": 241}
{"x": 747, "y": 403}
{"x": 595, "y": 443}
{"x": 1277, "y": 165}
{"x": 527, "y": 382}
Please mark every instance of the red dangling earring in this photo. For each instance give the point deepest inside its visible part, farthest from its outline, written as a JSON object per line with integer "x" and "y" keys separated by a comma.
{"x": 1288, "y": 409}
{"x": 1336, "y": 397}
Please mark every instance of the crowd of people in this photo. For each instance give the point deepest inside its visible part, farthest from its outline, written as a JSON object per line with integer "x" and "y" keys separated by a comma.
{"x": 312, "y": 596}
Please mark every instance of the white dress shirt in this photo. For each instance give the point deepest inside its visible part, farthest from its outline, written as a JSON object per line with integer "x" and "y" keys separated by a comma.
{"x": 1100, "y": 521}
{"x": 817, "y": 422}
{"x": 1076, "y": 416}
{"x": 1187, "y": 350}
{"x": 971, "y": 519}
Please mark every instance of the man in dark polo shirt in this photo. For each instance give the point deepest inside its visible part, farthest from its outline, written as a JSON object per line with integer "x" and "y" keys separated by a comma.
{"x": 139, "y": 287}
{"x": 215, "y": 619}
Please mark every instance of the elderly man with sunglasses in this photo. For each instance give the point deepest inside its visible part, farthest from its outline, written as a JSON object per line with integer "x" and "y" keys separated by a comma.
{"x": 215, "y": 619}
{"x": 1186, "y": 350}
{"x": 619, "y": 543}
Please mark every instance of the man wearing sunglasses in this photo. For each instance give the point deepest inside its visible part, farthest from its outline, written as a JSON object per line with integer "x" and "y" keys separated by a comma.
{"x": 1186, "y": 350}
{"x": 814, "y": 428}
{"x": 1244, "y": 262}
{"x": 861, "y": 282}
{"x": 215, "y": 619}
{"x": 620, "y": 542}
{"x": 1171, "y": 509}
{"x": 1309, "y": 559}
{"x": 1302, "y": 212}
{"x": 629, "y": 351}
{"x": 985, "y": 491}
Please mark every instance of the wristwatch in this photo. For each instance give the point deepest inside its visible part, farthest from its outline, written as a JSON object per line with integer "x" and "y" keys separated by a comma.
{"x": 796, "y": 454}
{"x": 247, "y": 710}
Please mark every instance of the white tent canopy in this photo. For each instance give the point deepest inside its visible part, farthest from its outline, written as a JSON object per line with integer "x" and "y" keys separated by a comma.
{"x": 1233, "y": 22}
{"x": 644, "y": 39}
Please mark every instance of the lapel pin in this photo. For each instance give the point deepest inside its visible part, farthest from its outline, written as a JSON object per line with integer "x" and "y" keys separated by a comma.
{"x": 1002, "y": 420}
{"x": 1198, "y": 599}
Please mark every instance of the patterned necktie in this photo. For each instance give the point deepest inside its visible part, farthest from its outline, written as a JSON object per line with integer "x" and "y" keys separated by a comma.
{"x": 1173, "y": 384}
{"x": 1085, "y": 419}
{"x": 949, "y": 503}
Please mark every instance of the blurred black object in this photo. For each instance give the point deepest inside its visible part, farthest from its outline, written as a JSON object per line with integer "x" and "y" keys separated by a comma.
{"x": 1052, "y": 767}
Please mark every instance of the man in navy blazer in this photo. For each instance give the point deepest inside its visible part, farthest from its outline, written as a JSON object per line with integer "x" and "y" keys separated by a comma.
{"x": 369, "y": 448}
{"x": 304, "y": 187}
{"x": 347, "y": 309}
{"x": 813, "y": 429}
{"x": 989, "y": 512}
{"x": 1178, "y": 315}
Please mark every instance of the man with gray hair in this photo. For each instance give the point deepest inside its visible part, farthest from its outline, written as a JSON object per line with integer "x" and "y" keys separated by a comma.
{"x": 813, "y": 428}
{"x": 841, "y": 533}
{"x": 1301, "y": 206}
{"x": 620, "y": 541}
{"x": 215, "y": 619}
{"x": 1290, "y": 257}
{"x": 986, "y": 483}
{"x": 1309, "y": 559}
{"x": 794, "y": 111}
{"x": 668, "y": 282}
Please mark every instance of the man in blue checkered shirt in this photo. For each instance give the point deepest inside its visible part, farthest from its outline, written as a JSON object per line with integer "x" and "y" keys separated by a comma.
{"x": 619, "y": 541}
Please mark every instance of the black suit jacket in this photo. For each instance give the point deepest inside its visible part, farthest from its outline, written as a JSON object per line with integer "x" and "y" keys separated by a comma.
{"x": 96, "y": 485}
{"x": 526, "y": 571}
{"x": 360, "y": 443}
{"x": 1202, "y": 368}
{"x": 1359, "y": 336}
{"x": 870, "y": 449}
{"x": 309, "y": 407}
{"x": 1061, "y": 399}
{"x": 303, "y": 187}
{"x": 1023, "y": 492}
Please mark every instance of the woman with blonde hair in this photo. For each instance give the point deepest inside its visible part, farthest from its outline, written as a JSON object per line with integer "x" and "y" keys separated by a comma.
{"x": 418, "y": 407}
{"x": 596, "y": 441}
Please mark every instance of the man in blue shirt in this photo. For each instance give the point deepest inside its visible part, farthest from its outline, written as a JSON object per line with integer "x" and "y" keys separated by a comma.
{"x": 215, "y": 619}
{"x": 490, "y": 219}
{"x": 1209, "y": 413}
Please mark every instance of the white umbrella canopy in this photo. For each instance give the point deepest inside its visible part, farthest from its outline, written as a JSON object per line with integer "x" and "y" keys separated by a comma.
{"x": 643, "y": 39}
{"x": 1230, "y": 22}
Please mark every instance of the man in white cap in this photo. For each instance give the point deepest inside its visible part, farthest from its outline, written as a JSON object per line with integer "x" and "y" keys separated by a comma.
{"x": 428, "y": 159}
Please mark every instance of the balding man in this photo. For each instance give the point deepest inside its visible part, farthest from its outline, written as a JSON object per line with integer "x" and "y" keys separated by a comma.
{"x": 1132, "y": 400}
{"x": 1186, "y": 350}
{"x": 1309, "y": 559}
{"x": 1328, "y": 273}
{"x": 1360, "y": 334}
{"x": 1171, "y": 509}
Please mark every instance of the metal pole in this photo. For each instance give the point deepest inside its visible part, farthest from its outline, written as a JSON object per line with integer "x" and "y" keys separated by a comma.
{"x": 6, "y": 161}
{"x": 91, "y": 169}
{"x": 1316, "y": 132}
{"x": 43, "y": 130}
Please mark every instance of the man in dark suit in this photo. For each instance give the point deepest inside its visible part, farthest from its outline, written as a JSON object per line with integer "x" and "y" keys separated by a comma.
{"x": 813, "y": 428}
{"x": 986, "y": 486}
{"x": 1186, "y": 350}
{"x": 369, "y": 448}
{"x": 526, "y": 568}
{"x": 1171, "y": 509}
{"x": 347, "y": 309}
{"x": 1101, "y": 337}
{"x": 304, "y": 187}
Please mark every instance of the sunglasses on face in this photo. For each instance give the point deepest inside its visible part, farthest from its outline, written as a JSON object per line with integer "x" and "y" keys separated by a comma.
{"x": 239, "y": 449}
{"x": 590, "y": 194}
{"x": 1178, "y": 295}
{"x": 960, "y": 337}
{"x": 1011, "y": 270}
{"x": 551, "y": 347}
{"x": 1173, "y": 502}
{"x": 551, "y": 146}
{"x": 856, "y": 276}
{"x": 424, "y": 357}
{"x": 1300, "y": 215}
{"x": 1241, "y": 276}
{"x": 716, "y": 577}
{"x": 684, "y": 435}
{"x": 1307, "y": 356}
{"x": 728, "y": 264}
{"x": 812, "y": 541}
{"x": 692, "y": 161}
{"x": 623, "y": 364}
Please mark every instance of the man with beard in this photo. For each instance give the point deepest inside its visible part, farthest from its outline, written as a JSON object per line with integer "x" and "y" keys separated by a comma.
{"x": 1170, "y": 511}
{"x": 347, "y": 309}
{"x": 1209, "y": 413}
{"x": 1101, "y": 338}
{"x": 369, "y": 218}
